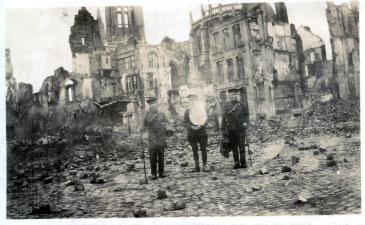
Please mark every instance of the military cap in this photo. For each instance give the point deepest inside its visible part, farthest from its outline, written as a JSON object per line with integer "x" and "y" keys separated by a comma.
{"x": 233, "y": 90}
{"x": 151, "y": 100}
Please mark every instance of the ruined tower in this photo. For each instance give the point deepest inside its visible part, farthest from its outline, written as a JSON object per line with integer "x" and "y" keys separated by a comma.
{"x": 124, "y": 24}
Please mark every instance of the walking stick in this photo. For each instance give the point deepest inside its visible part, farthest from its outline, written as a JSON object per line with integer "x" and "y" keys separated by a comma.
{"x": 144, "y": 161}
{"x": 248, "y": 149}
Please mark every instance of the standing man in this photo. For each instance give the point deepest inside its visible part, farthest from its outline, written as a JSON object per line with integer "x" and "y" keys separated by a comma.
{"x": 195, "y": 121}
{"x": 156, "y": 124}
{"x": 234, "y": 124}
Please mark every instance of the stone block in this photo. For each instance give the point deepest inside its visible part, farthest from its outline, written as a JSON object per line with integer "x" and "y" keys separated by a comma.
{"x": 161, "y": 194}
{"x": 179, "y": 205}
{"x": 184, "y": 164}
{"x": 285, "y": 169}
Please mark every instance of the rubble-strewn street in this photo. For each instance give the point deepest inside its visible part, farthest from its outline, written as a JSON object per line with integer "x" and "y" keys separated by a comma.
{"x": 298, "y": 168}
{"x": 96, "y": 95}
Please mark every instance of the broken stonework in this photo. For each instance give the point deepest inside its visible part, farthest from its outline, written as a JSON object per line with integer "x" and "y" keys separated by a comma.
{"x": 285, "y": 169}
{"x": 161, "y": 194}
{"x": 184, "y": 164}
{"x": 264, "y": 171}
{"x": 294, "y": 160}
{"x": 178, "y": 205}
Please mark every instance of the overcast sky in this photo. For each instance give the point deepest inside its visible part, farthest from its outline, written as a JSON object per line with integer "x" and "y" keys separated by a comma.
{"x": 38, "y": 38}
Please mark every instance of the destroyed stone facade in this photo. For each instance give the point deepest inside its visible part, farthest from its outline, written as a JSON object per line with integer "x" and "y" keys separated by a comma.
{"x": 115, "y": 62}
{"x": 343, "y": 22}
{"x": 318, "y": 70}
{"x": 251, "y": 47}
{"x": 11, "y": 97}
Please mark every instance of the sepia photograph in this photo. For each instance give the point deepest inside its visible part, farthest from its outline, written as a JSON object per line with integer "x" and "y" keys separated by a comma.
{"x": 221, "y": 109}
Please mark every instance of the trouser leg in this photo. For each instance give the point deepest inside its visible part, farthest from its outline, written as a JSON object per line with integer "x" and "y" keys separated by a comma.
{"x": 236, "y": 158}
{"x": 161, "y": 161}
{"x": 194, "y": 146}
{"x": 153, "y": 161}
{"x": 203, "y": 141}
{"x": 242, "y": 151}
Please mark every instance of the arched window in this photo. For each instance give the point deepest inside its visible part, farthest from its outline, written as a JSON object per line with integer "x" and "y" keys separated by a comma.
{"x": 152, "y": 60}
{"x": 126, "y": 21}
{"x": 119, "y": 17}
{"x": 131, "y": 83}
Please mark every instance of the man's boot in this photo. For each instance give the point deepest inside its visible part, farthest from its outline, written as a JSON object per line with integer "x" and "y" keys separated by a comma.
{"x": 205, "y": 169}
{"x": 197, "y": 167}
{"x": 236, "y": 166}
{"x": 153, "y": 177}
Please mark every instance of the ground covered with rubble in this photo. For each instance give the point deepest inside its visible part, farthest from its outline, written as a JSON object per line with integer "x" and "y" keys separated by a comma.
{"x": 306, "y": 162}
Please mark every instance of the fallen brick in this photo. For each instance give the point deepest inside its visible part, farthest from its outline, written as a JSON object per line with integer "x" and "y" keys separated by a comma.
{"x": 256, "y": 188}
{"x": 140, "y": 213}
{"x": 79, "y": 187}
{"x": 308, "y": 147}
{"x": 294, "y": 160}
{"x": 300, "y": 200}
{"x": 161, "y": 194}
{"x": 179, "y": 205}
{"x": 331, "y": 163}
{"x": 72, "y": 172}
{"x": 285, "y": 169}
{"x": 264, "y": 171}
{"x": 184, "y": 164}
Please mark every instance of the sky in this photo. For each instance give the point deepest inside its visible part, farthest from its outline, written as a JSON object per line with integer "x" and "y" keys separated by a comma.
{"x": 38, "y": 37}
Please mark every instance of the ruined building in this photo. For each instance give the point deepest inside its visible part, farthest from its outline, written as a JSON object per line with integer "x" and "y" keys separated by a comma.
{"x": 11, "y": 88}
{"x": 113, "y": 64}
{"x": 343, "y": 22}
{"x": 318, "y": 70}
{"x": 251, "y": 47}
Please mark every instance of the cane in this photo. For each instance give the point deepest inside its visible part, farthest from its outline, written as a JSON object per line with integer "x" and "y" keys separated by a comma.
{"x": 144, "y": 161}
{"x": 248, "y": 149}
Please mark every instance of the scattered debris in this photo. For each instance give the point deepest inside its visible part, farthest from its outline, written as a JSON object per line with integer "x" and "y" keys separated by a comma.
{"x": 285, "y": 169}
{"x": 140, "y": 213}
{"x": 294, "y": 160}
{"x": 256, "y": 188}
{"x": 264, "y": 171}
{"x": 161, "y": 194}
{"x": 79, "y": 187}
{"x": 179, "y": 205}
{"x": 184, "y": 164}
{"x": 331, "y": 163}
{"x": 330, "y": 157}
{"x": 42, "y": 209}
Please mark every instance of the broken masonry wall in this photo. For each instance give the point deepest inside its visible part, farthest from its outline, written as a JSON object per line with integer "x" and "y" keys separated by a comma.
{"x": 343, "y": 24}
{"x": 321, "y": 83}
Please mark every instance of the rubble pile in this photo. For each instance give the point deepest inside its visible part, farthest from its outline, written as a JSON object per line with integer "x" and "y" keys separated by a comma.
{"x": 331, "y": 117}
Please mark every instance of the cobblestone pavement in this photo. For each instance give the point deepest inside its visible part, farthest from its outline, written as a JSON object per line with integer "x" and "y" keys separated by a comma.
{"x": 221, "y": 192}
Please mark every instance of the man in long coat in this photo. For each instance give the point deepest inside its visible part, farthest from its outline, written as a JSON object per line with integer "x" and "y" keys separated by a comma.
{"x": 234, "y": 124}
{"x": 156, "y": 124}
